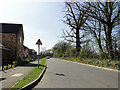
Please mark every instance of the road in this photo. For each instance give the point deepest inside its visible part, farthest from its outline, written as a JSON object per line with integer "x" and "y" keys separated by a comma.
{"x": 65, "y": 74}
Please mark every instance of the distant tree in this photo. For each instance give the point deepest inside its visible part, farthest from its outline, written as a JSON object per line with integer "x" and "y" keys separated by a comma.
{"x": 87, "y": 51}
{"x": 62, "y": 49}
{"x": 70, "y": 51}
{"x": 59, "y": 48}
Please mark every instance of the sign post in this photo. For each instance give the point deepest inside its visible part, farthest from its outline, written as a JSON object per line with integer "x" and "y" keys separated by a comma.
{"x": 38, "y": 43}
{"x": 38, "y": 54}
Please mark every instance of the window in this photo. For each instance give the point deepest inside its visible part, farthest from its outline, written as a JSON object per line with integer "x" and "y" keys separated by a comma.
{"x": 20, "y": 39}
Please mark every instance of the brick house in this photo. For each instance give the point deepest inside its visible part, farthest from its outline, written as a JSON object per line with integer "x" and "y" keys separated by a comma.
{"x": 29, "y": 53}
{"x": 33, "y": 53}
{"x": 26, "y": 51}
{"x": 12, "y": 37}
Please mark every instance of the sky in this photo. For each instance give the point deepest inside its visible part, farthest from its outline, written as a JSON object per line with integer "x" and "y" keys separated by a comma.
{"x": 41, "y": 20}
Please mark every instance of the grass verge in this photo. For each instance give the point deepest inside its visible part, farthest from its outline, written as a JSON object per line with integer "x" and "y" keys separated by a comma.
{"x": 97, "y": 62}
{"x": 31, "y": 76}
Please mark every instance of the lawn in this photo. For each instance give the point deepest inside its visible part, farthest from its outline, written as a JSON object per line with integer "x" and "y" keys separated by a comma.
{"x": 31, "y": 76}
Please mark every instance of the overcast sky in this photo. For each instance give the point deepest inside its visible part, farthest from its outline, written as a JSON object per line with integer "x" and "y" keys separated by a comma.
{"x": 39, "y": 19}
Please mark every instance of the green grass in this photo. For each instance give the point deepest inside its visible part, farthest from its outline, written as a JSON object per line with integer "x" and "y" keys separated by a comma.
{"x": 37, "y": 59}
{"x": 102, "y": 63}
{"x": 9, "y": 66}
{"x": 31, "y": 76}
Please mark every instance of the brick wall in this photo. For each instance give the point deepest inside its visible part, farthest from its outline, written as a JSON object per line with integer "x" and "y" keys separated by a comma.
{"x": 9, "y": 41}
{"x": 14, "y": 43}
{"x": 20, "y": 49}
{"x": 5, "y": 57}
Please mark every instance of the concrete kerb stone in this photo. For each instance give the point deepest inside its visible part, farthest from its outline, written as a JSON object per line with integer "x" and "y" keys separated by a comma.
{"x": 35, "y": 82}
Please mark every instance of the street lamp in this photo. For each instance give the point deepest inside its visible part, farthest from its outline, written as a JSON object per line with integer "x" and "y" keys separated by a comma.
{"x": 38, "y": 43}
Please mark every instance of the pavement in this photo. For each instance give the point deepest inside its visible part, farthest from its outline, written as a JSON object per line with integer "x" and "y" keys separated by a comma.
{"x": 64, "y": 74}
{"x": 11, "y": 76}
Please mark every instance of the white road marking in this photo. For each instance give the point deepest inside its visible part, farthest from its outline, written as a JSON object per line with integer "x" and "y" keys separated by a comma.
{"x": 17, "y": 75}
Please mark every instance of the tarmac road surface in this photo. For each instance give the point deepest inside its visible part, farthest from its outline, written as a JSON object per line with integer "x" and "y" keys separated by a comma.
{"x": 65, "y": 74}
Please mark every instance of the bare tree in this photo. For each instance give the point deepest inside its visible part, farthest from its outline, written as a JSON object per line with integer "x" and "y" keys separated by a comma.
{"x": 95, "y": 28}
{"x": 75, "y": 17}
{"x": 108, "y": 14}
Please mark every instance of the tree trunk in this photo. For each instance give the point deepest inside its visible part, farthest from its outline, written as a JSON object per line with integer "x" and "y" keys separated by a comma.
{"x": 109, "y": 39}
{"x": 99, "y": 38}
{"x": 78, "y": 47}
{"x": 106, "y": 39}
{"x": 100, "y": 46}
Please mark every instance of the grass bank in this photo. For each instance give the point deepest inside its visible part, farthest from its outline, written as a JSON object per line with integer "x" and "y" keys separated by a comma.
{"x": 31, "y": 76}
{"x": 113, "y": 64}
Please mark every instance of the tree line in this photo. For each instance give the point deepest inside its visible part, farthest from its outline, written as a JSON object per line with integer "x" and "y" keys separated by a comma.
{"x": 93, "y": 29}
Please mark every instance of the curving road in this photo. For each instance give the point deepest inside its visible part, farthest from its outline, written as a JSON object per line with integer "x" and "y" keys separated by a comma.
{"x": 65, "y": 74}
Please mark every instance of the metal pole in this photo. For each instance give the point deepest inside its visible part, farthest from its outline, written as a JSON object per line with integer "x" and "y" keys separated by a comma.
{"x": 38, "y": 54}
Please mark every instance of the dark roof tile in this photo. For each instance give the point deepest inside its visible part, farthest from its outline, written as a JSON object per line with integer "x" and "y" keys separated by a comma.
{"x": 11, "y": 28}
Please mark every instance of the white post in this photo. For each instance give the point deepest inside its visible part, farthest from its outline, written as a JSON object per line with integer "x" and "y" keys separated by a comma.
{"x": 38, "y": 54}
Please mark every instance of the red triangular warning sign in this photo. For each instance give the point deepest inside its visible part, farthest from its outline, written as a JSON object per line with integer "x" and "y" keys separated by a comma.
{"x": 39, "y": 42}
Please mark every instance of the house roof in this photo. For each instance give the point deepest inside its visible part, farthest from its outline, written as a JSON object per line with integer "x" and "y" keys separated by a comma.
{"x": 32, "y": 50}
{"x": 25, "y": 47}
{"x": 11, "y": 28}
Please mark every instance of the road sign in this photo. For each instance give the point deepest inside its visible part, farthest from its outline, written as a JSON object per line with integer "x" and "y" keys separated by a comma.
{"x": 39, "y": 42}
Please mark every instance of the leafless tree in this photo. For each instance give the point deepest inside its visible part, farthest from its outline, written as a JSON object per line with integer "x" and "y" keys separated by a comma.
{"x": 108, "y": 14}
{"x": 75, "y": 17}
{"x": 94, "y": 27}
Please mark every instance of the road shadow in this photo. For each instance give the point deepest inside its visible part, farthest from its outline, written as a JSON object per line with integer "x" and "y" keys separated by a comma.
{"x": 4, "y": 71}
{"x": 43, "y": 65}
{"x": 31, "y": 64}
{"x": 2, "y": 79}
{"x": 60, "y": 74}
